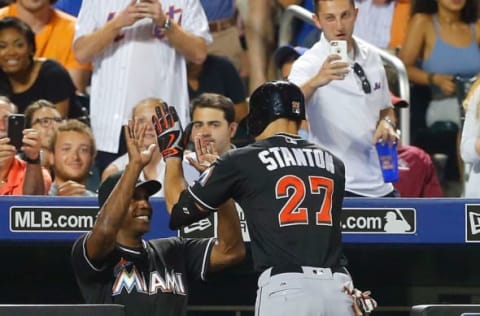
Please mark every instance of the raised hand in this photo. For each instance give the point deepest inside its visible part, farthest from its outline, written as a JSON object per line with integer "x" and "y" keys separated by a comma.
{"x": 332, "y": 69}
{"x": 31, "y": 143}
{"x": 7, "y": 151}
{"x": 129, "y": 15}
{"x": 206, "y": 153}
{"x": 170, "y": 135}
{"x": 134, "y": 133}
{"x": 152, "y": 9}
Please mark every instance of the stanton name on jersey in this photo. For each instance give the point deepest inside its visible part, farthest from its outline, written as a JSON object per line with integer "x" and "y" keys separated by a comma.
{"x": 281, "y": 157}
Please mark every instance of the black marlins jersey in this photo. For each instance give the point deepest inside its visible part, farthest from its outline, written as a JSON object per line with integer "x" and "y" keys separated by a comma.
{"x": 291, "y": 192}
{"x": 150, "y": 281}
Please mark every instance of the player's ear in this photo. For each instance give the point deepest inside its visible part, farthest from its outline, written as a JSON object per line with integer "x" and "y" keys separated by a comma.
{"x": 187, "y": 139}
{"x": 233, "y": 128}
{"x": 316, "y": 21}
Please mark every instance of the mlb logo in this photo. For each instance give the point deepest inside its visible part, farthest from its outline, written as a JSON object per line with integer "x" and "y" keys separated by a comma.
{"x": 472, "y": 225}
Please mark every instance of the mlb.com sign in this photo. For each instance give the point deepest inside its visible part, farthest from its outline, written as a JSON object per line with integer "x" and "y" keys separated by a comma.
{"x": 472, "y": 222}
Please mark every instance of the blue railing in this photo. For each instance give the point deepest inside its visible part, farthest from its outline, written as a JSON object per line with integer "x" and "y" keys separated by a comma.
{"x": 364, "y": 220}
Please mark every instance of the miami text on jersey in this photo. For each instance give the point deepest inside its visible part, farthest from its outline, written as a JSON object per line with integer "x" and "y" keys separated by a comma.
{"x": 135, "y": 280}
{"x": 281, "y": 157}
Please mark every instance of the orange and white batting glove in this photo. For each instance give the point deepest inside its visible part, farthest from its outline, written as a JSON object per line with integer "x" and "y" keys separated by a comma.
{"x": 170, "y": 135}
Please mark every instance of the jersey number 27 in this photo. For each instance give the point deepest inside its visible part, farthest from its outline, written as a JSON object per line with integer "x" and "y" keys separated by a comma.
{"x": 295, "y": 189}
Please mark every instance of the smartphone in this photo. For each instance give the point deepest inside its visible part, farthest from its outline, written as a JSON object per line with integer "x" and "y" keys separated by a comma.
{"x": 16, "y": 124}
{"x": 339, "y": 48}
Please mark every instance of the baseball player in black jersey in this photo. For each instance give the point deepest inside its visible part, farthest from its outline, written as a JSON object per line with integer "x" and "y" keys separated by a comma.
{"x": 113, "y": 264}
{"x": 291, "y": 192}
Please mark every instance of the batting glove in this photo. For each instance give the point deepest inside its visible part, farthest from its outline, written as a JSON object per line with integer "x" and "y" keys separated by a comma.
{"x": 170, "y": 135}
{"x": 366, "y": 304}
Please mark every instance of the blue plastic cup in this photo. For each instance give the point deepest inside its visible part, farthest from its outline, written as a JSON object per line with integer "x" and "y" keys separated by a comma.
{"x": 388, "y": 158}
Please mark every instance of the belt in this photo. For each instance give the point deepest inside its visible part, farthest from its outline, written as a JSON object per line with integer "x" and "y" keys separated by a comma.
{"x": 298, "y": 269}
{"x": 220, "y": 25}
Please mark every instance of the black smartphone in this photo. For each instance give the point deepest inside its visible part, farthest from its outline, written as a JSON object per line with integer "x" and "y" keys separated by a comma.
{"x": 16, "y": 124}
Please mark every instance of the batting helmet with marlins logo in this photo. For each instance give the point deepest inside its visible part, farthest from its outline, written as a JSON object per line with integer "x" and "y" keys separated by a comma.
{"x": 273, "y": 100}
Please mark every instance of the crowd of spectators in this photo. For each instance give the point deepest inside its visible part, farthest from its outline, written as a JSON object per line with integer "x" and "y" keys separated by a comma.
{"x": 80, "y": 70}
{"x": 102, "y": 62}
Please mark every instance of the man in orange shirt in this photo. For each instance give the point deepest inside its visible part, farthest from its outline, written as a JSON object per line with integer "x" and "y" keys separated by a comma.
{"x": 400, "y": 19}
{"x": 20, "y": 176}
{"x": 54, "y": 31}
{"x": 382, "y": 22}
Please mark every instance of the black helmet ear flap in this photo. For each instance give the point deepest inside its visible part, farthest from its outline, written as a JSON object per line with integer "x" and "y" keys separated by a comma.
{"x": 272, "y": 100}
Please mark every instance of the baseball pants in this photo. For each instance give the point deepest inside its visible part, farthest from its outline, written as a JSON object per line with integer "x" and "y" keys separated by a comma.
{"x": 313, "y": 292}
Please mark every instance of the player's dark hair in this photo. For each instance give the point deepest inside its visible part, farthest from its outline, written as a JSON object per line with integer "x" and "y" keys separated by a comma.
{"x": 11, "y": 22}
{"x": 317, "y": 6}
{"x": 215, "y": 101}
{"x": 34, "y": 107}
{"x": 468, "y": 14}
{"x": 289, "y": 59}
{"x": 53, "y": 1}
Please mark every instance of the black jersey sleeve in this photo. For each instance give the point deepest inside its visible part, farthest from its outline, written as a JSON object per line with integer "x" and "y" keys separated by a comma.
{"x": 82, "y": 266}
{"x": 198, "y": 253}
{"x": 217, "y": 184}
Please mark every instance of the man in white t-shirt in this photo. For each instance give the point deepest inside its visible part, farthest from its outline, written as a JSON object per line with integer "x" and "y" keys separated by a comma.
{"x": 213, "y": 121}
{"x": 349, "y": 107}
{"x": 139, "y": 50}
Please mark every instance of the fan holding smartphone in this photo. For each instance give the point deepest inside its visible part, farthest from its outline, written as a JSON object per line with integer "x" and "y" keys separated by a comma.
{"x": 20, "y": 174}
{"x": 16, "y": 124}
{"x": 346, "y": 86}
{"x": 339, "y": 47}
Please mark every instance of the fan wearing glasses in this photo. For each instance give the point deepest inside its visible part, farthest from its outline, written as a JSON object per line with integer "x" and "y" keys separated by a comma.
{"x": 349, "y": 108}
{"x": 20, "y": 176}
{"x": 43, "y": 116}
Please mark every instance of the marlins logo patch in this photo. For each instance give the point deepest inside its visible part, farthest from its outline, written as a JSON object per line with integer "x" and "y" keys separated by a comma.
{"x": 296, "y": 107}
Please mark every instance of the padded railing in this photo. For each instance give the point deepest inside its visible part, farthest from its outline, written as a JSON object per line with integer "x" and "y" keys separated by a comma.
{"x": 285, "y": 36}
{"x": 364, "y": 220}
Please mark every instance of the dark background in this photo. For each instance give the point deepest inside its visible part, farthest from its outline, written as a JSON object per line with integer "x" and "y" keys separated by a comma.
{"x": 398, "y": 275}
